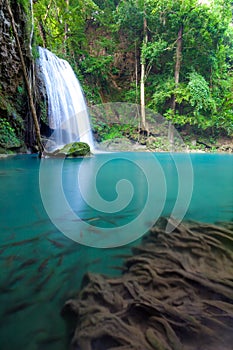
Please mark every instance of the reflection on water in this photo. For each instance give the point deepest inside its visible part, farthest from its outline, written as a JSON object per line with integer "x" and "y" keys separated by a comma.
{"x": 41, "y": 268}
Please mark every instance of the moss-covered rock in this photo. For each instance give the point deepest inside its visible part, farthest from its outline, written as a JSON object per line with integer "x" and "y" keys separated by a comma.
{"x": 74, "y": 149}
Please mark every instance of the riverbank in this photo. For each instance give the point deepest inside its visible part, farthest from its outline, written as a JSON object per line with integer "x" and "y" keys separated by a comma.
{"x": 161, "y": 144}
{"x": 219, "y": 145}
{"x": 143, "y": 143}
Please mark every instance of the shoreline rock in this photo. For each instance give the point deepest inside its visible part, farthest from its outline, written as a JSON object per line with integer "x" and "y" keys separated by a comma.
{"x": 71, "y": 150}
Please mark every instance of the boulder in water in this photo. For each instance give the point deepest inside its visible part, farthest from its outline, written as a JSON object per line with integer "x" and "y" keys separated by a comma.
{"x": 74, "y": 149}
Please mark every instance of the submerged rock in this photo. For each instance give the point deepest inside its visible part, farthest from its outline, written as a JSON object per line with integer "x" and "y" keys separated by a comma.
{"x": 176, "y": 293}
{"x": 71, "y": 150}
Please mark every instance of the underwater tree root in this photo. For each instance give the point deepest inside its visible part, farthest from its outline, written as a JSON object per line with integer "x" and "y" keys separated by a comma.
{"x": 176, "y": 293}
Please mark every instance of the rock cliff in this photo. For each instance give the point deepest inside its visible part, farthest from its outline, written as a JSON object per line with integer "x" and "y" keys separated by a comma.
{"x": 14, "y": 111}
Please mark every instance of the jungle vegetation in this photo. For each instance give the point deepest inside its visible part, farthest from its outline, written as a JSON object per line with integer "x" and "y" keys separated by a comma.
{"x": 176, "y": 57}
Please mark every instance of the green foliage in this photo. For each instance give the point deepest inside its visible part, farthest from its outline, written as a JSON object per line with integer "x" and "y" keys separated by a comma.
{"x": 162, "y": 90}
{"x": 11, "y": 128}
{"x": 132, "y": 94}
{"x": 104, "y": 131}
{"x": 74, "y": 149}
{"x": 98, "y": 67}
{"x": 43, "y": 112}
{"x": 24, "y": 5}
{"x": 199, "y": 94}
{"x": 8, "y": 137}
{"x": 60, "y": 25}
{"x": 20, "y": 89}
{"x": 152, "y": 51}
{"x": 129, "y": 19}
{"x": 5, "y": 104}
{"x": 160, "y": 143}
{"x": 224, "y": 122}
{"x": 92, "y": 34}
{"x": 107, "y": 4}
{"x": 205, "y": 82}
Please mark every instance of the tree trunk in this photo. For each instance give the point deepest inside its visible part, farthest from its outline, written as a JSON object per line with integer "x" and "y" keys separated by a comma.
{"x": 178, "y": 63}
{"x": 42, "y": 34}
{"x": 177, "y": 76}
{"x": 142, "y": 97}
{"x": 66, "y": 28}
{"x": 28, "y": 86}
{"x": 142, "y": 83}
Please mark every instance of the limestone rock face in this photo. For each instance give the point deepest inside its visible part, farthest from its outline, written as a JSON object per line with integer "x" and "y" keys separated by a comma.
{"x": 9, "y": 60}
{"x": 13, "y": 96}
{"x": 10, "y": 65}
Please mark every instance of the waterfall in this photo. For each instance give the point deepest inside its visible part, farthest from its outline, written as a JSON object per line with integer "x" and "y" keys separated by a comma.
{"x": 67, "y": 111}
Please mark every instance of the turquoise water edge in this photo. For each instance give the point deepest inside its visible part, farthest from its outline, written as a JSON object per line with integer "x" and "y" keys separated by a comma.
{"x": 41, "y": 267}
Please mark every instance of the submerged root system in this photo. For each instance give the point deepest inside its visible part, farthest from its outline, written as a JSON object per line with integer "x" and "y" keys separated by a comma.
{"x": 176, "y": 293}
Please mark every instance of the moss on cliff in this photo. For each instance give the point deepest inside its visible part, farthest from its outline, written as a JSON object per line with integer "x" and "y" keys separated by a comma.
{"x": 14, "y": 112}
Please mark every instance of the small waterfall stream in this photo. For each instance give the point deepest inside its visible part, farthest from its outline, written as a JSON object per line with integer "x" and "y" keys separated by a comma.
{"x": 67, "y": 110}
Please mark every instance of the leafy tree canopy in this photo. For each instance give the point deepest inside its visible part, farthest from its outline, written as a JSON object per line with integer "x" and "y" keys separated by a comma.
{"x": 97, "y": 37}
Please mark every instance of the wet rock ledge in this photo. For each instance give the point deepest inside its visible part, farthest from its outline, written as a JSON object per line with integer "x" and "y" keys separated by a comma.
{"x": 176, "y": 293}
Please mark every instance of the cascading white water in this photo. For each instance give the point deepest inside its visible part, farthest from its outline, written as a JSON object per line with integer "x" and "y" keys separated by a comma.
{"x": 67, "y": 110}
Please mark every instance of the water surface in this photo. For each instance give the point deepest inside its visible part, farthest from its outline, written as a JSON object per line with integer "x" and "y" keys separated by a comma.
{"x": 41, "y": 268}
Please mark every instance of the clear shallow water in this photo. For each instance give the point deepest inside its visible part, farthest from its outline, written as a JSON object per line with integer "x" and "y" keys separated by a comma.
{"x": 41, "y": 268}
